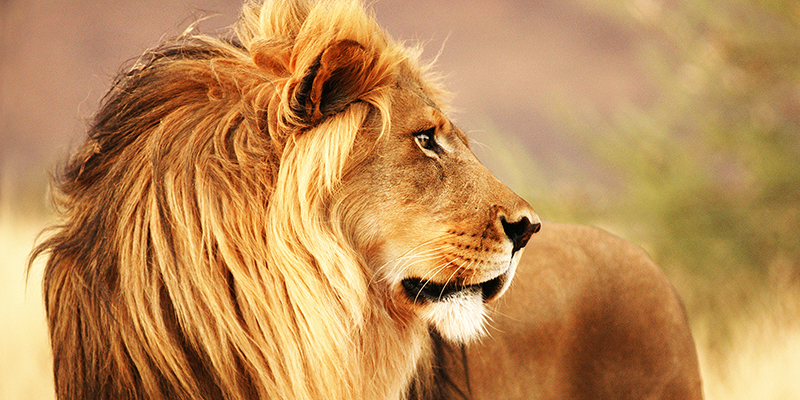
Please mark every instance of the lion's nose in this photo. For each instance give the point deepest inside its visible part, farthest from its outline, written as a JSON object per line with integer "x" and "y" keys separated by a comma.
{"x": 520, "y": 231}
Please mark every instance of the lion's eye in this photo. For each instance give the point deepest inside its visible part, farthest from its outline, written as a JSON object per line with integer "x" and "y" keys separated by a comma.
{"x": 426, "y": 141}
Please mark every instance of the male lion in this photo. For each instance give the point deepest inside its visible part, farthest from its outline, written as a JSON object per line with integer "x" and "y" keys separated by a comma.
{"x": 288, "y": 214}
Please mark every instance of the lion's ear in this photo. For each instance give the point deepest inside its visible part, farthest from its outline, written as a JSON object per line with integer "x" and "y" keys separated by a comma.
{"x": 338, "y": 77}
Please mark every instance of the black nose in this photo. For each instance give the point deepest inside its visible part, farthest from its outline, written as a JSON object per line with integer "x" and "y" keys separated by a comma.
{"x": 520, "y": 232}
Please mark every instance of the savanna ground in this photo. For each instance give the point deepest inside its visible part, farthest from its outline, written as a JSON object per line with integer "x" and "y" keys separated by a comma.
{"x": 675, "y": 124}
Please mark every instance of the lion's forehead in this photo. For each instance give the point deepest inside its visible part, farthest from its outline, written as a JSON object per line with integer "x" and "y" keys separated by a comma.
{"x": 420, "y": 108}
{"x": 412, "y": 83}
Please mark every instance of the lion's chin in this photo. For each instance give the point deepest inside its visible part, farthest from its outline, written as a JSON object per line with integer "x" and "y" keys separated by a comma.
{"x": 457, "y": 311}
{"x": 459, "y": 318}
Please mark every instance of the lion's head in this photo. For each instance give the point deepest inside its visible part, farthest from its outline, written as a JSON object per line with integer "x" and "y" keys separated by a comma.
{"x": 444, "y": 233}
{"x": 284, "y": 214}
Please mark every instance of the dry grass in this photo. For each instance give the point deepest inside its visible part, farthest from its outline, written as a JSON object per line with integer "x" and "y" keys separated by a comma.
{"x": 26, "y": 361}
{"x": 758, "y": 359}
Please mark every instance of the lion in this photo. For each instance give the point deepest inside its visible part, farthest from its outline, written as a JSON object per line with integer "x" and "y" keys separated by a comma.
{"x": 288, "y": 213}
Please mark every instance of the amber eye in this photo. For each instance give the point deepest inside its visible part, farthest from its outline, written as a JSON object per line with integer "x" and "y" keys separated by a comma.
{"x": 425, "y": 139}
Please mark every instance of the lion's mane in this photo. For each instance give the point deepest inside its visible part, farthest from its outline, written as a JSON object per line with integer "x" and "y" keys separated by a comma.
{"x": 200, "y": 253}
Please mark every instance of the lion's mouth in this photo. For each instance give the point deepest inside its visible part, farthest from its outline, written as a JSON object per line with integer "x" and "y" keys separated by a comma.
{"x": 420, "y": 290}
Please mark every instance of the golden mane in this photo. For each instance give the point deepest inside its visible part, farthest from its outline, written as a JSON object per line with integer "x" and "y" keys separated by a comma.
{"x": 205, "y": 170}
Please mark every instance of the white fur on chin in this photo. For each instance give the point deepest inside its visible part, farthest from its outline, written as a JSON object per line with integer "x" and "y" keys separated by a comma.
{"x": 459, "y": 318}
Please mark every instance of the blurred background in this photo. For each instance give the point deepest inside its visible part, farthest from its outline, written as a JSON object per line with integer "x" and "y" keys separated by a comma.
{"x": 675, "y": 124}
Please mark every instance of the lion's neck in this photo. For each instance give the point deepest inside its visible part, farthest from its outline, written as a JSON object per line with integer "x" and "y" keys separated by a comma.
{"x": 391, "y": 352}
